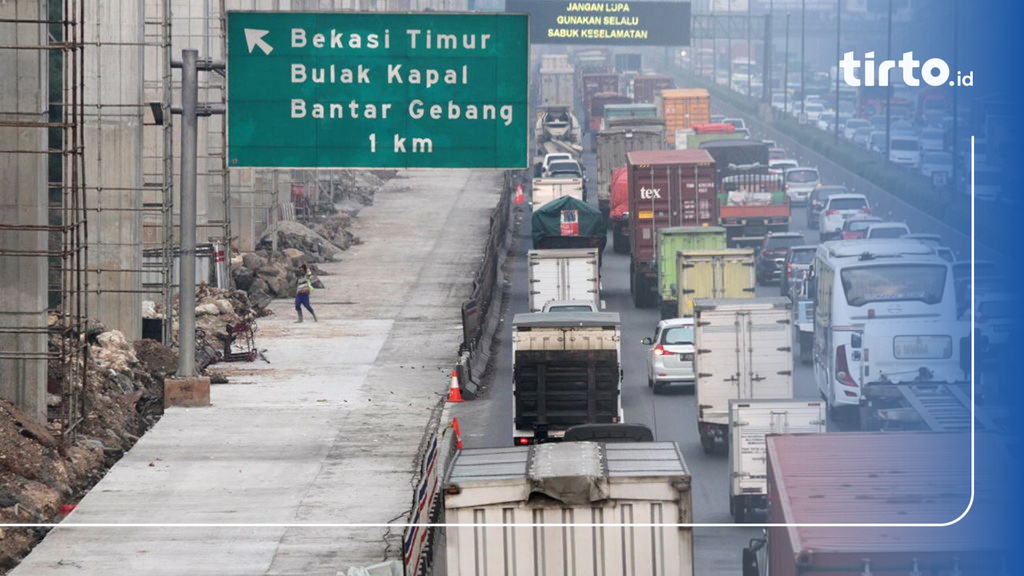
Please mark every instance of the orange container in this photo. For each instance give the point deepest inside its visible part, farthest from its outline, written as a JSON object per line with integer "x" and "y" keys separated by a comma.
{"x": 682, "y": 108}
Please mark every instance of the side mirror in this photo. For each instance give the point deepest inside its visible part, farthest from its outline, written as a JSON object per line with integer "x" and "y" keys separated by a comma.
{"x": 647, "y": 341}
{"x": 855, "y": 340}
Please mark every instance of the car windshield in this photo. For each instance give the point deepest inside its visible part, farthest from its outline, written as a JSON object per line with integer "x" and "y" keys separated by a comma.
{"x": 996, "y": 309}
{"x": 905, "y": 145}
{"x": 812, "y": 107}
{"x": 571, "y": 308}
{"x": 846, "y": 204}
{"x": 825, "y": 192}
{"x": 886, "y": 283}
{"x": 801, "y": 176}
{"x": 858, "y": 225}
{"x": 943, "y": 158}
{"x": 677, "y": 335}
{"x": 887, "y": 232}
{"x": 778, "y": 242}
{"x": 802, "y": 256}
{"x": 564, "y": 167}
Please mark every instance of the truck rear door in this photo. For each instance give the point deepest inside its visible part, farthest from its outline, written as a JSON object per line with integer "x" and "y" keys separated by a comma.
{"x": 766, "y": 355}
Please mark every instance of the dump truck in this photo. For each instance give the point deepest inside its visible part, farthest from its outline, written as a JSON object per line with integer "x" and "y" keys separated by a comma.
{"x": 682, "y": 108}
{"x": 544, "y": 190}
{"x": 566, "y": 371}
{"x": 751, "y": 202}
{"x": 614, "y": 112}
{"x": 647, "y": 86}
{"x": 612, "y": 145}
{"x": 882, "y": 481}
{"x": 568, "y": 223}
{"x": 749, "y": 422}
{"x": 744, "y": 351}
{"x": 666, "y": 188}
{"x": 571, "y": 274}
{"x": 670, "y": 241}
{"x": 566, "y": 483}
{"x": 725, "y": 273}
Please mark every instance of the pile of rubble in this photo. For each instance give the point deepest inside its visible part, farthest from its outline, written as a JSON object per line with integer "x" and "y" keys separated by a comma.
{"x": 269, "y": 272}
{"x": 122, "y": 398}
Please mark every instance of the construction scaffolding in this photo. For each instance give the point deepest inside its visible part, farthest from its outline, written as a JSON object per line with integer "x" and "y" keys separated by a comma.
{"x": 43, "y": 225}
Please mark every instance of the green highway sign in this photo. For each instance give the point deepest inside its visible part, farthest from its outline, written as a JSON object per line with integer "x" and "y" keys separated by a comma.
{"x": 377, "y": 90}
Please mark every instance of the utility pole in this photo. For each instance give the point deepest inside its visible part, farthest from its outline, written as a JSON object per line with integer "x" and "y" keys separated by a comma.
{"x": 888, "y": 89}
{"x": 186, "y": 388}
{"x": 750, "y": 61}
{"x": 803, "y": 54}
{"x": 785, "y": 72}
{"x": 839, "y": 56}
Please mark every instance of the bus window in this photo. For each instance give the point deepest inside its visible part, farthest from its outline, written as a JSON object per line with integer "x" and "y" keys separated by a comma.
{"x": 922, "y": 282}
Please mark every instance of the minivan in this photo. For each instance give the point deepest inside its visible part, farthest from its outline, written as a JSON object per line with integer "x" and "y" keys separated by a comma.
{"x": 905, "y": 151}
{"x": 799, "y": 182}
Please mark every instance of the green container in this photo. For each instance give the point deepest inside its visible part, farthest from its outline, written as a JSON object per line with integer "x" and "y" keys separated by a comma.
{"x": 670, "y": 242}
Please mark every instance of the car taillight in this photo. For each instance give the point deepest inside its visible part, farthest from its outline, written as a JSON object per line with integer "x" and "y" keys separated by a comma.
{"x": 789, "y": 270}
{"x": 786, "y": 187}
{"x": 659, "y": 350}
{"x": 864, "y": 211}
{"x": 842, "y": 369}
{"x": 523, "y": 441}
{"x": 830, "y": 212}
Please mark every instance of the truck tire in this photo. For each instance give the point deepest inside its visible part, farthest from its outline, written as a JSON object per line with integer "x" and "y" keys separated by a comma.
{"x": 806, "y": 345}
{"x": 708, "y": 444}
{"x": 740, "y": 510}
{"x": 641, "y": 292}
{"x": 620, "y": 242}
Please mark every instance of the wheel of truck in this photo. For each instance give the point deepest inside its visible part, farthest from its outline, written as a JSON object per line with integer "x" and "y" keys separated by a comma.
{"x": 740, "y": 511}
{"x": 708, "y": 444}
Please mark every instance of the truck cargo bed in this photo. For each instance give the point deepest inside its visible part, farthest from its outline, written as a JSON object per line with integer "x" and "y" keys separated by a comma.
{"x": 556, "y": 389}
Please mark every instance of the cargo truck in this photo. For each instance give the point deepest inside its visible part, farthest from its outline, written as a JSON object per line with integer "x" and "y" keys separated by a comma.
{"x": 647, "y": 86}
{"x": 878, "y": 480}
{"x": 749, "y": 422}
{"x": 544, "y": 190}
{"x": 593, "y": 84}
{"x": 726, "y": 273}
{"x": 595, "y": 109}
{"x": 751, "y": 202}
{"x": 557, "y": 87}
{"x": 613, "y": 112}
{"x": 669, "y": 242}
{"x": 589, "y": 483}
{"x": 666, "y": 188}
{"x": 563, "y": 275}
{"x": 744, "y": 351}
{"x": 566, "y": 372}
{"x": 618, "y": 216}
{"x": 682, "y": 109}
{"x": 568, "y": 223}
{"x": 688, "y": 139}
{"x": 612, "y": 145}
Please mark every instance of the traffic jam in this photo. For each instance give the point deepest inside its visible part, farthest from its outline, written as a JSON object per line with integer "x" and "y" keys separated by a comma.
{"x": 712, "y": 326}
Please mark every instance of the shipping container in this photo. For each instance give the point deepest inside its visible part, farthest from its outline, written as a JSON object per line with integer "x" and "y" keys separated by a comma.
{"x": 670, "y": 242}
{"x": 614, "y": 112}
{"x": 666, "y": 188}
{"x": 883, "y": 478}
{"x": 593, "y": 84}
{"x": 597, "y": 104}
{"x": 647, "y": 86}
{"x": 571, "y": 274}
{"x": 612, "y": 145}
{"x": 744, "y": 351}
{"x": 645, "y": 484}
{"x": 682, "y": 109}
{"x": 557, "y": 87}
{"x": 727, "y": 273}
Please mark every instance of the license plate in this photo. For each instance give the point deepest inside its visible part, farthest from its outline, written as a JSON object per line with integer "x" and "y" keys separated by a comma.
{"x": 922, "y": 347}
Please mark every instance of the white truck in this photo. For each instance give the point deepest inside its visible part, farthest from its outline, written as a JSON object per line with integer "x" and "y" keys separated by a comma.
{"x": 744, "y": 351}
{"x": 545, "y": 190}
{"x": 563, "y": 274}
{"x": 566, "y": 372}
{"x": 587, "y": 483}
{"x": 749, "y": 422}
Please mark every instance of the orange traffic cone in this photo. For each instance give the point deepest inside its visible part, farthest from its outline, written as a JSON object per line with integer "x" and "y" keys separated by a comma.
{"x": 458, "y": 433}
{"x": 454, "y": 393}
{"x": 519, "y": 194}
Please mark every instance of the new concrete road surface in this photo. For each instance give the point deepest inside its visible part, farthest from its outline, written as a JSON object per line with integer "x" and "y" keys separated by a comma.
{"x": 326, "y": 432}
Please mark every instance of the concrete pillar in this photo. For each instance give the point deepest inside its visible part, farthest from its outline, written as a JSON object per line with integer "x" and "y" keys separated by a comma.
{"x": 113, "y": 161}
{"x": 23, "y": 201}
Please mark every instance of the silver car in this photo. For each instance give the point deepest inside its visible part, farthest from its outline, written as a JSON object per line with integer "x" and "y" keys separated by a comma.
{"x": 670, "y": 358}
{"x": 799, "y": 182}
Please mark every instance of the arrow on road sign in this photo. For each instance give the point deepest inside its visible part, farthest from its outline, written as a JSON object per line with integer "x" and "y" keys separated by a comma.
{"x": 254, "y": 38}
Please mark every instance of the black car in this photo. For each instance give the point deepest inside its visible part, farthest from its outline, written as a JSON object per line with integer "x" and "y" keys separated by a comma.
{"x": 816, "y": 202}
{"x": 795, "y": 266}
{"x": 772, "y": 252}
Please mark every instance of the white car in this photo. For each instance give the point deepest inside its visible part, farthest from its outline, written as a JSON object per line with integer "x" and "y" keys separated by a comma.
{"x": 993, "y": 318}
{"x": 670, "y": 358}
{"x": 852, "y": 125}
{"x": 780, "y": 165}
{"x": 886, "y": 231}
{"x": 799, "y": 182}
{"x": 905, "y": 151}
{"x": 569, "y": 306}
{"x": 837, "y": 210}
{"x": 813, "y": 111}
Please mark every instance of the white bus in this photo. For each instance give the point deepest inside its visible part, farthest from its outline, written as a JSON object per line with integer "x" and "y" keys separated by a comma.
{"x": 885, "y": 312}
